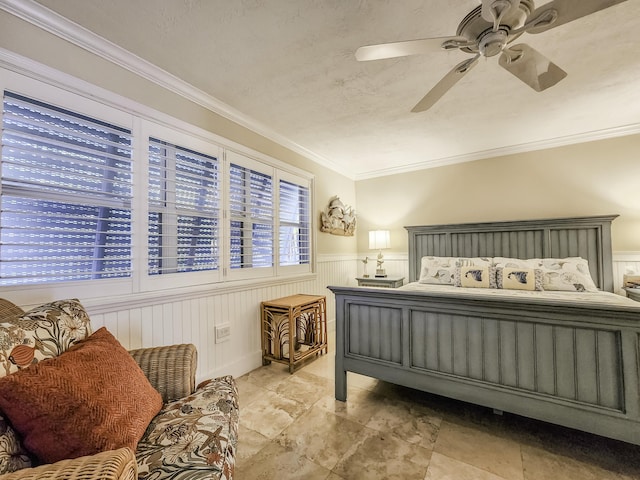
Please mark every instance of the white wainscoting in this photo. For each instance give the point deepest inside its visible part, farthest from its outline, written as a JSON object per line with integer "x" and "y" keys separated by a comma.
{"x": 193, "y": 319}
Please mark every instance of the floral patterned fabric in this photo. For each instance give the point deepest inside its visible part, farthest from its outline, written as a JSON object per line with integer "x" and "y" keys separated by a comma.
{"x": 194, "y": 437}
{"x": 12, "y": 456}
{"x": 44, "y": 332}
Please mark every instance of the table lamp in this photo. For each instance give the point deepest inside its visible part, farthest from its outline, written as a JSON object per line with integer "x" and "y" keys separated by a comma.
{"x": 379, "y": 240}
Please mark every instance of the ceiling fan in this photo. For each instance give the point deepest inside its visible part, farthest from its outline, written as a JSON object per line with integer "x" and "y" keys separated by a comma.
{"x": 489, "y": 30}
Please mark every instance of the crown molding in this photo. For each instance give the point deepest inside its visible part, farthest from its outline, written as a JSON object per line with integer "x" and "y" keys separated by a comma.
{"x": 507, "y": 150}
{"x": 50, "y": 21}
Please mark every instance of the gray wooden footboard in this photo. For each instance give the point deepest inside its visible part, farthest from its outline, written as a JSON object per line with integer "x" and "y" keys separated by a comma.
{"x": 570, "y": 365}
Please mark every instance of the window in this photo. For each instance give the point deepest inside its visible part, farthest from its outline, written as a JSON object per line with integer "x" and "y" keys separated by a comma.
{"x": 251, "y": 216}
{"x": 91, "y": 192}
{"x": 65, "y": 207}
{"x": 295, "y": 231}
{"x": 184, "y": 202}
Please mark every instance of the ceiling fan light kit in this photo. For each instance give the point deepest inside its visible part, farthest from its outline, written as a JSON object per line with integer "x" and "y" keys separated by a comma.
{"x": 487, "y": 31}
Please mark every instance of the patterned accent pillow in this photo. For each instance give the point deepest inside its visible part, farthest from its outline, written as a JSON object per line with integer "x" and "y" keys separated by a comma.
{"x": 513, "y": 278}
{"x": 505, "y": 262}
{"x": 13, "y": 456}
{"x": 442, "y": 270}
{"x": 570, "y": 274}
{"x": 437, "y": 270}
{"x": 567, "y": 274}
{"x": 94, "y": 396}
{"x": 474, "y": 276}
{"x": 43, "y": 332}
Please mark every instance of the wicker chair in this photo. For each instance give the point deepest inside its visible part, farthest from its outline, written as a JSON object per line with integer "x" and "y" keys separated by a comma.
{"x": 171, "y": 370}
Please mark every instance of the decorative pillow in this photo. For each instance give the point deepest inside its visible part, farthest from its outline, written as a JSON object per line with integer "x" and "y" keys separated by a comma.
{"x": 43, "y": 332}
{"x": 475, "y": 277}
{"x": 441, "y": 270}
{"x": 514, "y": 278}
{"x": 93, "y": 397}
{"x": 9, "y": 311}
{"x": 437, "y": 270}
{"x": 567, "y": 274}
{"x": 12, "y": 456}
{"x": 505, "y": 262}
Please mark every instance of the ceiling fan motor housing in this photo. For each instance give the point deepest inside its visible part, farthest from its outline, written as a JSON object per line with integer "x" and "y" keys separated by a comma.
{"x": 488, "y": 42}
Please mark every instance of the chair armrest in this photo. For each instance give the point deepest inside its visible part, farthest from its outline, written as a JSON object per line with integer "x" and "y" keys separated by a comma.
{"x": 110, "y": 465}
{"x": 170, "y": 369}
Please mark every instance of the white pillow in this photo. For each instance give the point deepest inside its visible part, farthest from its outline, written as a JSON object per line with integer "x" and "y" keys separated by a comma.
{"x": 441, "y": 270}
{"x": 567, "y": 274}
{"x": 437, "y": 270}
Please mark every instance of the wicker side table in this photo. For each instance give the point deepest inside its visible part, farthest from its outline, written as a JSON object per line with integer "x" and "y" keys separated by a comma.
{"x": 293, "y": 329}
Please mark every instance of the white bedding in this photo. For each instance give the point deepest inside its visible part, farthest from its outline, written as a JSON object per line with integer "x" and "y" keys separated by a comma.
{"x": 588, "y": 298}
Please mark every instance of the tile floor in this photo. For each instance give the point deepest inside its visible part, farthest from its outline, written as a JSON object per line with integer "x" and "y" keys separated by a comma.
{"x": 291, "y": 427}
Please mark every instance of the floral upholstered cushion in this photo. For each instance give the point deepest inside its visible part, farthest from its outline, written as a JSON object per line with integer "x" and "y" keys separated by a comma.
{"x": 194, "y": 437}
{"x": 13, "y": 456}
{"x": 43, "y": 332}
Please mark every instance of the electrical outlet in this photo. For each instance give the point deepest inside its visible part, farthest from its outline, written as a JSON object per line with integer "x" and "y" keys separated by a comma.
{"x": 223, "y": 332}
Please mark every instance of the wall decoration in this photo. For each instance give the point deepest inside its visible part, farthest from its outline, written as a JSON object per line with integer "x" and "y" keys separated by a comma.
{"x": 338, "y": 219}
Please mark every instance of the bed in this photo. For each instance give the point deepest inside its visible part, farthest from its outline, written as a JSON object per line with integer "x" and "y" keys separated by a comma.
{"x": 557, "y": 358}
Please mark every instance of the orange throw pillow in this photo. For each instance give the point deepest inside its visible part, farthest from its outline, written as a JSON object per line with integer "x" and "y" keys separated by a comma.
{"x": 93, "y": 397}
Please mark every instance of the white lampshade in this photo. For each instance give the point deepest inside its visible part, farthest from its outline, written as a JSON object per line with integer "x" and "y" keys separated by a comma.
{"x": 379, "y": 239}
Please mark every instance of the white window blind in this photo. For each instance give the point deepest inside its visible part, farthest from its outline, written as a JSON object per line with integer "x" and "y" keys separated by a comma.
{"x": 184, "y": 198}
{"x": 65, "y": 203}
{"x": 294, "y": 226}
{"x": 251, "y": 208}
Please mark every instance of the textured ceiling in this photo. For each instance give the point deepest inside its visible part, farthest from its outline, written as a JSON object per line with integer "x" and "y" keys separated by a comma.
{"x": 289, "y": 65}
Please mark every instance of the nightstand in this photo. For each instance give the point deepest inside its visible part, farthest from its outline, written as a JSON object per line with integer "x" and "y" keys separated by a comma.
{"x": 633, "y": 293}
{"x": 386, "y": 282}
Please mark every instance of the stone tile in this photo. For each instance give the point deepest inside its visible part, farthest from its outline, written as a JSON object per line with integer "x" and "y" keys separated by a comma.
{"x": 383, "y": 456}
{"x": 410, "y": 421}
{"x": 321, "y": 436}
{"x": 323, "y": 366}
{"x": 541, "y": 464}
{"x": 304, "y": 387}
{"x": 360, "y": 406}
{"x": 268, "y": 376}
{"x": 361, "y": 381}
{"x": 250, "y": 442}
{"x": 270, "y": 414}
{"x": 277, "y": 462}
{"x": 247, "y": 391}
{"x": 442, "y": 467}
{"x": 488, "y": 452}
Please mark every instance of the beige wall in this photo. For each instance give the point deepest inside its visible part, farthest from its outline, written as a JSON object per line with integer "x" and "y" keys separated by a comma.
{"x": 600, "y": 177}
{"x": 50, "y": 50}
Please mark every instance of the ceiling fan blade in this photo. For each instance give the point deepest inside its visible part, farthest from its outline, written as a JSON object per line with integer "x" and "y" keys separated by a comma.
{"x": 409, "y": 47}
{"x": 448, "y": 81}
{"x": 493, "y": 10}
{"x": 559, "y": 12}
{"x": 531, "y": 67}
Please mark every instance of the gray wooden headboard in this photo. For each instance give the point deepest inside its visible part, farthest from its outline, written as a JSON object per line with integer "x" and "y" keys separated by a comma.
{"x": 586, "y": 237}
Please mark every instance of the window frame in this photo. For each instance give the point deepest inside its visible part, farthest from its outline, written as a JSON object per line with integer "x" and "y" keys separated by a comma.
{"x": 192, "y": 142}
{"x": 56, "y": 88}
